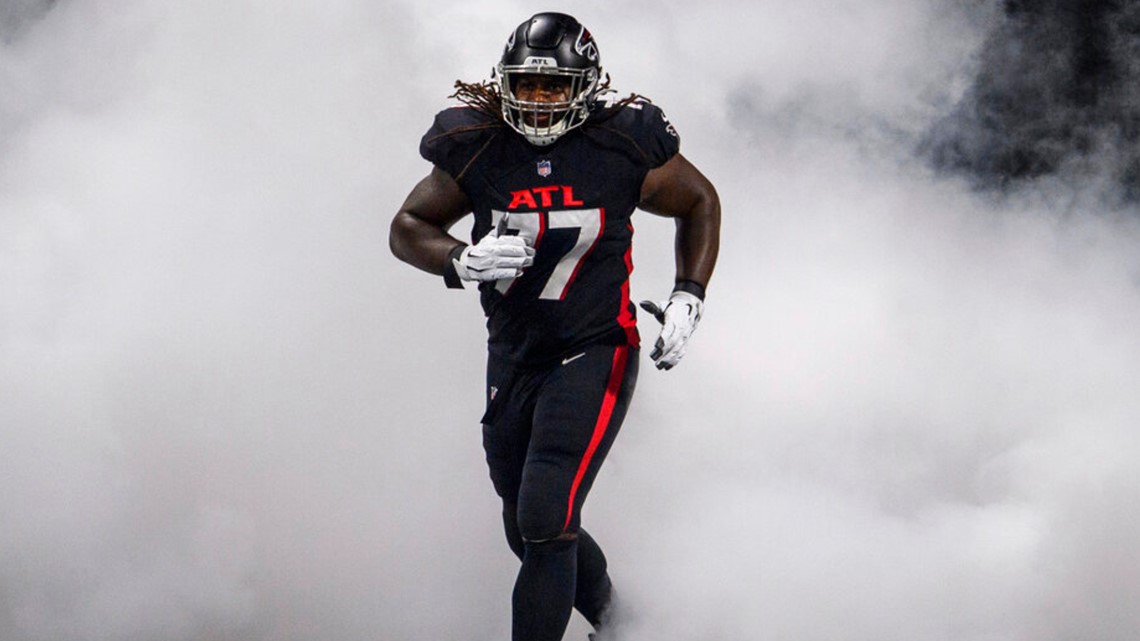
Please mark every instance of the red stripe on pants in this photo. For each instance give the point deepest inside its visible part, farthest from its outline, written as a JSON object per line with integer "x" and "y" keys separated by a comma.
{"x": 617, "y": 373}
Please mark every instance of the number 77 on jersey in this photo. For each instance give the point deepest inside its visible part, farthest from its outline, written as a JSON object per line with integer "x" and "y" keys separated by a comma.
{"x": 531, "y": 225}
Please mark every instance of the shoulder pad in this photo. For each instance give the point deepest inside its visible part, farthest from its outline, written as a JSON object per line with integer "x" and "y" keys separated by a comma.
{"x": 646, "y": 126}
{"x": 456, "y": 136}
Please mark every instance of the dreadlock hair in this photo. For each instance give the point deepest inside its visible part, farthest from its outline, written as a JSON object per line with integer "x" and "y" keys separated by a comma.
{"x": 482, "y": 96}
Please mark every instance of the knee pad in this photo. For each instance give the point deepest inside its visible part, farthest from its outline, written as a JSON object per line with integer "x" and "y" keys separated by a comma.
{"x": 560, "y": 547}
{"x": 541, "y": 522}
{"x": 564, "y": 536}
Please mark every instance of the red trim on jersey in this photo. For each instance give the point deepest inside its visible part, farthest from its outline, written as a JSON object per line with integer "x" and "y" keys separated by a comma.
{"x": 582, "y": 260}
{"x": 613, "y": 387}
{"x": 625, "y": 317}
{"x": 542, "y": 222}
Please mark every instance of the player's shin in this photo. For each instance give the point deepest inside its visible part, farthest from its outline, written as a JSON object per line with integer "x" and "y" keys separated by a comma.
{"x": 544, "y": 591}
{"x": 592, "y": 593}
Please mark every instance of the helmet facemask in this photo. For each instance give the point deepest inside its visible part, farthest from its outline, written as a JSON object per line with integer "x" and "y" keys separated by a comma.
{"x": 544, "y": 122}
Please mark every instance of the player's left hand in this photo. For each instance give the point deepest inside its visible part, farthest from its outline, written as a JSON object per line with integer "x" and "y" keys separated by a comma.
{"x": 678, "y": 317}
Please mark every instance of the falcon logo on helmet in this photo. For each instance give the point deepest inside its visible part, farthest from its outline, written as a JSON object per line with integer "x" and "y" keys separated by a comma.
{"x": 558, "y": 49}
{"x": 585, "y": 45}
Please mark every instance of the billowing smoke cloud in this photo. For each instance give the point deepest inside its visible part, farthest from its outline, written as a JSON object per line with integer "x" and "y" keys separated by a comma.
{"x": 1055, "y": 93}
{"x": 227, "y": 413}
{"x": 15, "y": 14}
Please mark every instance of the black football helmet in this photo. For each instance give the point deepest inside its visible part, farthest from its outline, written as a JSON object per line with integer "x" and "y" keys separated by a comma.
{"x": 549, "y": 44}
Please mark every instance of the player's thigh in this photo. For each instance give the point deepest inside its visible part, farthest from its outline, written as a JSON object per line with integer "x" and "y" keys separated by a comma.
{"x": 584, "y": 399}
{"x": 507, "y": 426}
{"x": 577, "y": 416}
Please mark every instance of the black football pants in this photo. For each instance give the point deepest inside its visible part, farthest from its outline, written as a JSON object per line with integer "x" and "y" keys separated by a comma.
{"x": 546, "y": 432}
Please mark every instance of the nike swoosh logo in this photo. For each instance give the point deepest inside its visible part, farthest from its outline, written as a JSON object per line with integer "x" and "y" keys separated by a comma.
{"x": 573, "y": 358}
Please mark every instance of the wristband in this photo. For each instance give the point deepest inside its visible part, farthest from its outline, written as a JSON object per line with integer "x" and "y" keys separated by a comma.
{"x": 450, "y": 277}
{"x": 691, "y": 287}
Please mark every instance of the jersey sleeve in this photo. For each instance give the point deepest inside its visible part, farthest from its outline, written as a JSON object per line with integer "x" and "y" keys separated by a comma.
{"x": 657, "y": 136}
{"x": 643, "y": 130}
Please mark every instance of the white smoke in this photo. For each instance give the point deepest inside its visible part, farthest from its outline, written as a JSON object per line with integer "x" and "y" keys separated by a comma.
{"x": 228, "y": 413}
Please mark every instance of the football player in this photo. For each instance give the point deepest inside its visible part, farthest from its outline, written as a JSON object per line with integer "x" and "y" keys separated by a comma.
{"x": 553, "y": 167}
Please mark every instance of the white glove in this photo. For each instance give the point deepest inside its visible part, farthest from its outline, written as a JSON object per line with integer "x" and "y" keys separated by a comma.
{"x": 678, "y": 318}
{"x": 494, "y": 258}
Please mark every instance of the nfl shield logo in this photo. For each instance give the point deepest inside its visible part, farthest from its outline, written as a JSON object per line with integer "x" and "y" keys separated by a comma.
{"x": 544, "y": 168}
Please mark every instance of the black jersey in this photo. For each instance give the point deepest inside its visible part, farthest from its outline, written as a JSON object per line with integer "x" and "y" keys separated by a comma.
{"x": 573, "y": 200}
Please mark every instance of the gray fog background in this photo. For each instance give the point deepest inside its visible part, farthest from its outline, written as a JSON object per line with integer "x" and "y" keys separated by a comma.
{"x": 226, "y": 412}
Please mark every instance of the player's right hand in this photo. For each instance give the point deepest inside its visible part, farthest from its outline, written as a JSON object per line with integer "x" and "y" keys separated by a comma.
{"x": 494, "y": 258}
